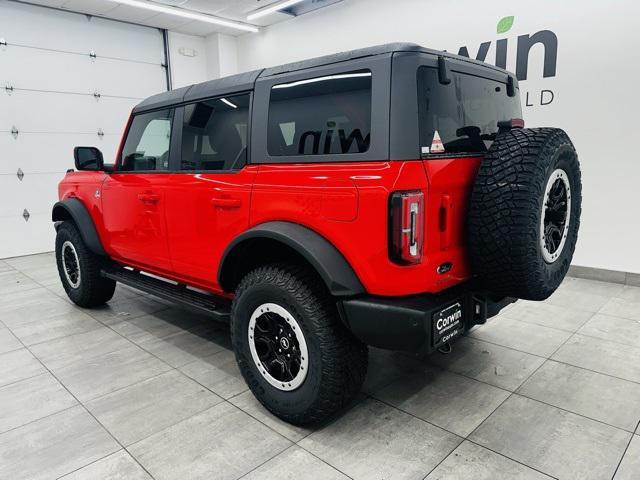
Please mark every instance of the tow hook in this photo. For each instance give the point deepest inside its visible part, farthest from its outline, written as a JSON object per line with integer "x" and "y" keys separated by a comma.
{"x": 445, "y": 349}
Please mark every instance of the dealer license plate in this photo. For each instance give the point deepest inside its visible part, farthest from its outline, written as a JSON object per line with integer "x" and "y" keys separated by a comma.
{"x": 447, "y": 324}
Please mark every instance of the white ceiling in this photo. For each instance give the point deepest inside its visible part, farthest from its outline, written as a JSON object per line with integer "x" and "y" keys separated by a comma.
{"x": 227, "y": 9}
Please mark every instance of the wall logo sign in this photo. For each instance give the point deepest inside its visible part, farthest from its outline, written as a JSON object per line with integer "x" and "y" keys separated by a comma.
{"x": 546, "y": 38}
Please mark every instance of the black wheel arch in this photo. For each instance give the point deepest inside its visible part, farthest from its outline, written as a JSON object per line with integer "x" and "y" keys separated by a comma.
{"x": 275, "y": 241}
{"x": 74, "y": 210}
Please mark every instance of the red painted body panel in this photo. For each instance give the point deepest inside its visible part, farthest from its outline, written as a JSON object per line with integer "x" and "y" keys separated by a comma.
{"x": 204, "y": 213}
{"x": 300, "y": 193}
{"x": 178, "y": 224}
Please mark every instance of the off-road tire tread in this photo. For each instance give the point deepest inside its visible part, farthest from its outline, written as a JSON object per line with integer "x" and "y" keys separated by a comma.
{"x": 345, "y": 359}
{"x": 505, "y": 209}
{"x": 94, "y": 290}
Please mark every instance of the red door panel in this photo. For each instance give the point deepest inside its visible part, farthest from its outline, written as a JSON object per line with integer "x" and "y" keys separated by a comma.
{"x": 133, "y": 211}
{"x": 205, "y": 212}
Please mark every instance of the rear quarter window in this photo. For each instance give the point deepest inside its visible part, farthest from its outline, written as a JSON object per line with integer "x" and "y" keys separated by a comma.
{"x": 465, "y": 113}
{"x": 318, "y": 116}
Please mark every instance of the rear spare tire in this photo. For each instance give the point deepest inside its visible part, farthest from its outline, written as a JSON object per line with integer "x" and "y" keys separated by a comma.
{"x": 525, "y": 213}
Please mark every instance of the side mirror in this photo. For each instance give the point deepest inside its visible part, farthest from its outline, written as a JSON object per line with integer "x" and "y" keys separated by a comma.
{"x": 88, "y": 158}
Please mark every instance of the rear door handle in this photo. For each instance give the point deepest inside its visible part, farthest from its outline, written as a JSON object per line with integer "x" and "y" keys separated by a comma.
{"x": 149, "y": 198}
{"x": 226, "y": 202}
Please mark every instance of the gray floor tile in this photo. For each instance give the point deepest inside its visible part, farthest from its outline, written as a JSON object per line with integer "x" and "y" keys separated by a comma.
{"x": 117, "y": 466}
{"x": 222, "y": 442}
{"x": 159, "y": 325}
{"x": 622, "y": 361}
{"x": 534, "y": 339}
{"x": 26, "y": 262}
{"x": 53, "y": 446}
{"x": 630, "y": 294}
{"x": 126, "y": 309}
{"x": 620, "y": 307}
{"x": 81, "y": 347}
{"x": 185, "y": 347}
{"x": 471, "y": 461}
{"x": 386, "y": 366}
{"x": 587, "y": 393}
{"x": 219, "y": 373}
{"x": 613, "y": 329}
{"x": 570, "y": 298}
{"x": 629, "y": 468}
{"x": 18, "y": 365}
{"x": 31, "y": 399}
{"x": 295, "y": 464}
{"x": 109, "y": 372}
{"x": 33, "y": 305}
{"x": 8, "y": 342}
{"x": 547, "y": 315}
{"x": 45, "y": 329}
{"x": 373, "y": 440}
{"x": 5, "y": 267}
{"x": 551, "y": 440}
{"x": 493, "y": 364}
{"x": 249, "y": 404}
{"x": 15, "y": 282}
{"x": 456, "y": 403}
{"x": 592, "y": 287}
{"x": 138, "y": 411}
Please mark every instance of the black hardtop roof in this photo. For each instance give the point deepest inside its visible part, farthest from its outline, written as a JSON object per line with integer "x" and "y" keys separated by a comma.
{"x": 245, "y": 81}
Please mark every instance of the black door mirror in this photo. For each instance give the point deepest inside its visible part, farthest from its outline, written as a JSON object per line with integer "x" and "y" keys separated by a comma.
{"x": 88, "y": 158}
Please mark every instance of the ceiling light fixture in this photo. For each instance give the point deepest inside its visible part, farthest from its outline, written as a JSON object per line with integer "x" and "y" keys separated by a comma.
{"x": 180, "y": 12}
{"x": 271, "y": 9}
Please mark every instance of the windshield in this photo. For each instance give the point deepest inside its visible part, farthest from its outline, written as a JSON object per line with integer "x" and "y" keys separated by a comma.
{"x": 463, "y": 114}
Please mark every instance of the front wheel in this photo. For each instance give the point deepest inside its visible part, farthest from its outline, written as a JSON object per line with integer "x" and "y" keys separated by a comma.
{"x": 295, "y": 354}
{"x": 79, "y": 269}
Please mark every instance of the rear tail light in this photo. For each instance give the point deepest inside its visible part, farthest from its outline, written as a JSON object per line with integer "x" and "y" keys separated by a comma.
{"x": 406, "y": 222}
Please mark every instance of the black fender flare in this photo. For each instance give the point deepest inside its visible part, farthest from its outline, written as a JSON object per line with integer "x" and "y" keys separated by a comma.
{"x": 328, "y": 262}
{"x": 74, "y": 209}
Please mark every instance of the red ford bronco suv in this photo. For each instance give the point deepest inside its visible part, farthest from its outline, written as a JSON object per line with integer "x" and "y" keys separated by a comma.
{"x": 387, "y": 196}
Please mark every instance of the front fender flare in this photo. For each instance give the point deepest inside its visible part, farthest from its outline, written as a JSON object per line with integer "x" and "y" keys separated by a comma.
{"x": 330, "y": 264}
{"x": 74, "y": 209}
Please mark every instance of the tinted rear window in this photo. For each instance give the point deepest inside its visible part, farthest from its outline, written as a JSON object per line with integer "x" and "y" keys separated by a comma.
{"x": 319, "y": 116}
{"x": 465, "y": 113}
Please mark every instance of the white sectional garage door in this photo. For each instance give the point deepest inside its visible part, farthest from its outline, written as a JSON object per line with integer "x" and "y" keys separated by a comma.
{"x": 65, "y": 80}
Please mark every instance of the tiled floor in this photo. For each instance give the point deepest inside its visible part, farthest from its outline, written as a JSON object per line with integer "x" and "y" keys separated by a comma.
{"x": 139, "y": 389}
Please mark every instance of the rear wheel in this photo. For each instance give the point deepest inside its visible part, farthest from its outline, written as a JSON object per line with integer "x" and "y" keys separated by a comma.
{"x": 79, "y": 269}
{"x": 297, "y": 357}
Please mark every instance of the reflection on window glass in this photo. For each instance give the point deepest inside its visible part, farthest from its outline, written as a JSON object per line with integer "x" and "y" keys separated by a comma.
{"x": 321, "y": 116}
{"x": 148, "y": 141}
{"x": 214, "y": 134}
{"x": 465, "y": 113}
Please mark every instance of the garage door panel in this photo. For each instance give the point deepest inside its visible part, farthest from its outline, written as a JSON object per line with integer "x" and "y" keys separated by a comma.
{"x": 128, "y": 79}
{"x": 22, "y": 237}
{"x": 36, "y": 192}
{"x": 38, "y": 69}
{"x": 54, "y": 108}
{"x": 47, "y": 112}
{"x": 75, "y": 33}
{"x": 49, "y": 153}
{"x": 23, "y": 68}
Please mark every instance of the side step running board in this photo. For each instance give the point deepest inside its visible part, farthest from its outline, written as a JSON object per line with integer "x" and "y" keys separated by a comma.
{"x": 218, "y": 307}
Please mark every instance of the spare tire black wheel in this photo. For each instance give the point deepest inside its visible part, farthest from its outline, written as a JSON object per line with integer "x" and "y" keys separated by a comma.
{"x": 525, "y": 213}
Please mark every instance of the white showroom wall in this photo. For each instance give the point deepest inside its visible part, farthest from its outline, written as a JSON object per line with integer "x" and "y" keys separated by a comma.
{"x": 594, "y": 87}
{"x": 188, "y": 59}
{"x": 197, "y": 59}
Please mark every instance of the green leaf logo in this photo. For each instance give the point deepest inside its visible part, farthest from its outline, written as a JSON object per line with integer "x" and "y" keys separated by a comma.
{"x": 505, "y": 24}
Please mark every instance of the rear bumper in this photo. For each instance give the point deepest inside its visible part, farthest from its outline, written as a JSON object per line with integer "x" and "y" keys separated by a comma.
{"x": 420, "y": 323}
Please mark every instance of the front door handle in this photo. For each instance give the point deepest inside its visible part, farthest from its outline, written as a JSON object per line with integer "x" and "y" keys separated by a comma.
{"x": 226, "y": 202}
{"x": 151, "y": 198}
